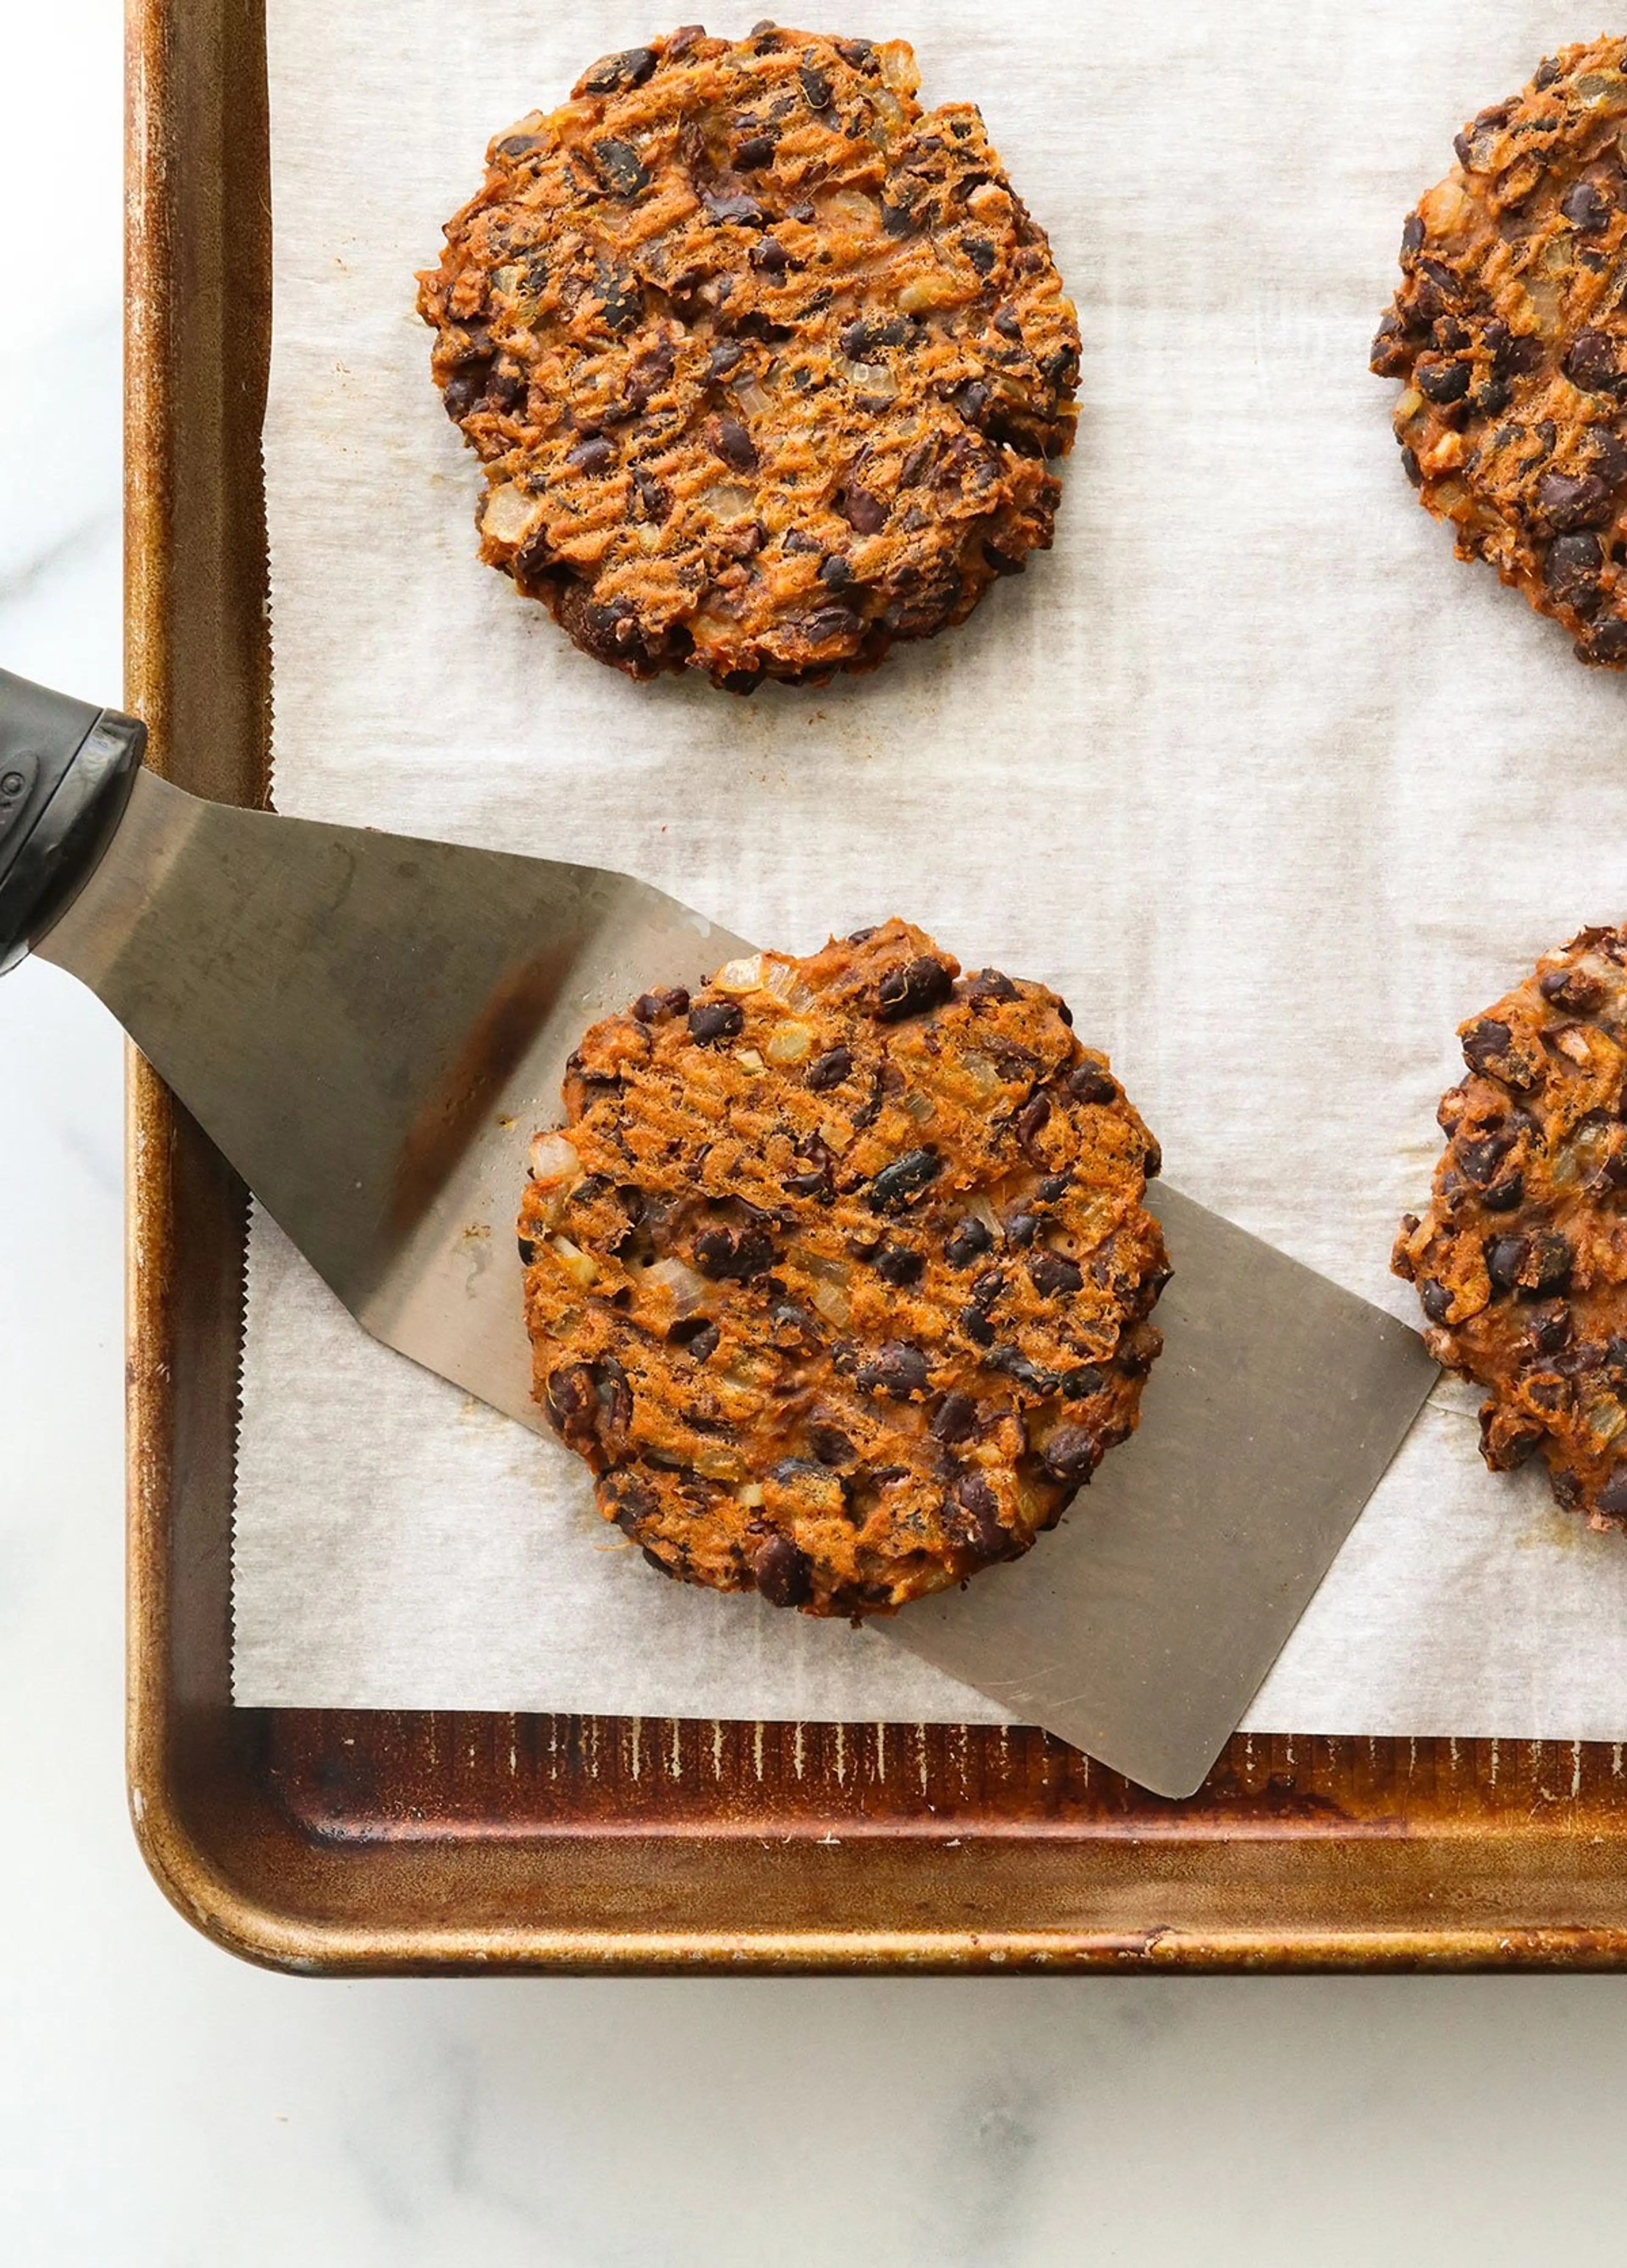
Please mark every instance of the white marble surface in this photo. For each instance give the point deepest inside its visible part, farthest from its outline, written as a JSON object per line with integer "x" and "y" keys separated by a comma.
{"x": 162, "y": 2107}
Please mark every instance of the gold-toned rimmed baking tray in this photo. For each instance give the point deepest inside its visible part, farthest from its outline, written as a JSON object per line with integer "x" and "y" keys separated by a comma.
{"x": 343, "y": 1842}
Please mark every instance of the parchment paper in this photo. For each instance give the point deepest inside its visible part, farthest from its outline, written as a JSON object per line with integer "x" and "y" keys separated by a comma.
{"x": 1272, "y": 789}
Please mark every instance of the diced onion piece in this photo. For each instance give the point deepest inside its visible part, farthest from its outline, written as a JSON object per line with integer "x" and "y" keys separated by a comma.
{"x": 835, "y": 1134}
{"x": 790, "y": 1042}
{"x": 741, "y": 976}
{"x": 554, "y": 1160}
{"x": 675, "y": 1275}
{"x": 873, "y": 377}
{"x": 780, "y": 977}
{"x": 718, "y": 1464}
{"x": 1605, "y": 1419}
{"x": 510, "y": 514}
{"x": 580, "y": 1266}
{"x": 729, "y": 501}
{"x": 920, "y": 1107}
{"x": 750, "y": 1496}
{"x": 823, "y": 1267}
{"x": 751, "y": 395}
{"x": 899, "y": 70}
{"x": 833, "y": 1303}
{"x": 982, "y": 1075}
{"x": 749, "y": 1059}
{"x": 982, "y": 1210}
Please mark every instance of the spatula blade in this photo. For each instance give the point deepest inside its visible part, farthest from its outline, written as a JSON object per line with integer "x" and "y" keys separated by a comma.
{"x": 371, "y": 1027}
{"x": 1143, "y": 1628}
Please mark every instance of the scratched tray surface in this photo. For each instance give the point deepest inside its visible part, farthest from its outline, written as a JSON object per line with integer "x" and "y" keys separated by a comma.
{"x": 329, "y": 1842}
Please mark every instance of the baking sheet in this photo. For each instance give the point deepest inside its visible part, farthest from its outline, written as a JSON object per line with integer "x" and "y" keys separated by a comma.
{"x": 1273, "y": 789}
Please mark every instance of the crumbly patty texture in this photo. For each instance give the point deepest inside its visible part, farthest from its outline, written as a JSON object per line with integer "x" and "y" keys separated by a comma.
{"x": 839, "y": 1274}
{"x": 764, "y": 363}
{"x": 1510, "y": 332}
{"x": 1521, "y": 1259}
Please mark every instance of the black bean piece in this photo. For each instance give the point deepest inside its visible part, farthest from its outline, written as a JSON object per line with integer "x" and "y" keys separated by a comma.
{"x": 955, "y": 1418}
{"x": 721, "y": 1253}
{"x": 769, "y": 256}
{"x": 611, "y": 72}
{"x": 655, "y": 500}
{"x": 1013, "y": 1364}
{"x": 1021, "y": 1228}
{"x": 1584, "y": 208}
{"x": 1572, "y": 989}
{"x": 519, "y": 145}
{"x": 896, "y": 1185}
{"x": 734, "y": 444}
{"x": 1570, "y": 569}
{"x": 573, "y": 1407}
{"x": 1412, "y": 234}
{"x": 1551, "y": 1328}
{"x": 654, "y": 1007}
{"x": 864, "y": 513}
{"x": 527, "y": 1251}
{"x": 976, "y": 1326}
{"x": 1391, "y": 353}
{"x": 1505, "y": 1258}
{"x": 912, "y": 989}
{"x": 830, "y": 1070}
{"x": 990, "y": 984}
{"x": 835, "y": 573}
{"x": 1442, "y": 382}
{"x": 714, "y": 1021}
{"x": 818, "y": 1178}
{"x": 1080, "y": 1385}
{"x": 830, "y": 622}
{"x": 592, "y": 455}
{"x": 1053, "y": 1189}
{"x": 1612, "y": 1497}
{"x": 974, "y": 1514}
{"x": 784, "y": 1572}
{"x": 861, "y": 936}
{"x": 987, "y": 1288}
{"x": 1091, "y": 1084}
{"x": 895, "y": 1264}
{"x": 859, "y": 339}
{"x": 1568, "y": 503}
{"x": 967, "y": 1241}
{"x": 1478, "y": 1161}
{"x": 1553, "y": 1260}
{"x": 896, "y": 1369}
{"x": 1003, "y": 562}
{"x": 463, "y": 388}
{"x": 1591, "y": 363}
{"x": 619, "y": 167}
{"x": 1437, "y": 1301}
{"x": 1007, "y": 324}
{"x": 815, "y": 87}
{"x": 756, "y": 149}
{"x": 1032, "y": 1121}
{"x": 1486, "y": 1045}
{"x": 696, "y": 1335}
{"x": 1606, "y": 641}
{"x": 1072, "y": 1455}
{"x": 1152, "y": 1161}
{"x": 981, "y": 252}
{"x": 830, "y": 1445}
{"x": 732, "y": 205}
{"x": 1055, "y": 1276}
{"x": 860, "y": 53}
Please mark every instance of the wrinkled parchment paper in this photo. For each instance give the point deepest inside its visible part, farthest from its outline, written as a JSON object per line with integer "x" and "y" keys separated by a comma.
{"x": 1273, "y": 789}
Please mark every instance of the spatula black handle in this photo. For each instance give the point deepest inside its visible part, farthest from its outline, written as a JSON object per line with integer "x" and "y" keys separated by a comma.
{"x": 66, "y": 770}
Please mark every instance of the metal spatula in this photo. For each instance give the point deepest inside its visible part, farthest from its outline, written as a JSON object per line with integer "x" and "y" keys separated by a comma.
{"x": 371, "y": 1028}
